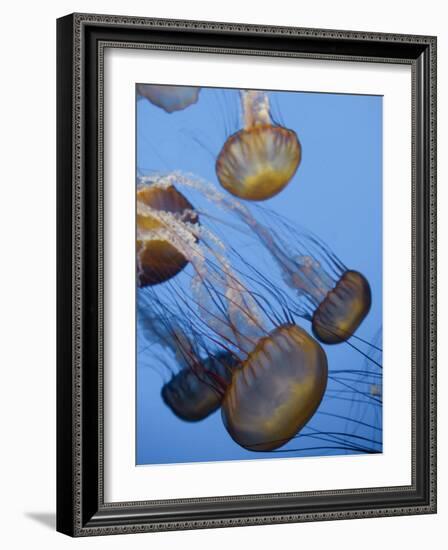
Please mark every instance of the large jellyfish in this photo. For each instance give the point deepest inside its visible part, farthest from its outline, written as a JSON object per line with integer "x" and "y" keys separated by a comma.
{"x": 169, "y": 98}
{"x": 258, "y": 161}
{"x": 277, "y": 390}
{"x": 334, "y": 298}
{"x": 157, "y": 259}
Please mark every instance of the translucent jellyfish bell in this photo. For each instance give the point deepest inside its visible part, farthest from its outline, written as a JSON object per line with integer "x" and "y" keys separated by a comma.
{"x": 196, "y": 391}
{"x": 169, "y": 98}
{"x": 258, "y": 161}
{"x": 158, "y": 209}
{"x": 343, "y": 309}
{"x": 334, "y": 298}
{"x": 199, "y": 375}
{"x": 277, "y": 390}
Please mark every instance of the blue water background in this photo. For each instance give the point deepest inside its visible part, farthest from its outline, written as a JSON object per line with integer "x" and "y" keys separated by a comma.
{"x": 336, "y": 193}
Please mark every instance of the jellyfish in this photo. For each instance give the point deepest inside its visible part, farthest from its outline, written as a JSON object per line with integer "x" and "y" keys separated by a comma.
{"x": 334, "y": 298}
{"x": 258, "y": 161}
{"x": 277, "y": 390}
{"x": 343, "y": 308}
{"x": 157, "y": 259}
{"x": 194, "y": 390}
{"x": 194, "y": 393}
{"x": 169, "y": 98}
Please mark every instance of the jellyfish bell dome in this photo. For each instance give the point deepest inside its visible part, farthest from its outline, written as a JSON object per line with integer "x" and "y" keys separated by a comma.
{"x": 169, "y": 98}
{"x": 158, "y": 260}
{"x": 277, "y": 389}
{"x": 343, "y": 309}
{"x": 194, "y": 394}
{"x": 258, "y": 162}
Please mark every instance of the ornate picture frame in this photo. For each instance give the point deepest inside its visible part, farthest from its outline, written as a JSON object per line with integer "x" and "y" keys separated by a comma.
{"x": 81, "y": 43}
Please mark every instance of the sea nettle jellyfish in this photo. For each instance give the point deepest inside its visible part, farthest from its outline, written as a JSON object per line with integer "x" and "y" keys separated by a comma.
{"x": 197, "y": 371}
{"x": 157, "y": 209}
{"x": 169, "y": 98}
{"x": 277, "y": 390}
{"x": 258, "y": 161}
{"x": 194, "y": 393}
{"x": 278, "y": 373}
{"x": 334, "y": 298}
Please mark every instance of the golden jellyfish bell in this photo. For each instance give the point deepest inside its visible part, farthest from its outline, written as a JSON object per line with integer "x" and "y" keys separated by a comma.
{"x": 157, "y": 258}
{"x": 257, "y": 162}
{"x": 343, "y": 309}
{"x": 277, "y": 389}
{"x": 169, "y": 98}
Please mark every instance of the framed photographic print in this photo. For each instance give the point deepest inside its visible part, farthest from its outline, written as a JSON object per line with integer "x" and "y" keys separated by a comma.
{"x": 246, "y": 274}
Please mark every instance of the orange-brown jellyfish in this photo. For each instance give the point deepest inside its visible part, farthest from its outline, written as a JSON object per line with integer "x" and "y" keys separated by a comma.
{"x": 199, "y": 373}
{"x": 196, "y": 391}
{"x": 158, "y": 209}
{"x": 277, "y": 389}
{"x": 169, "y": 98}
{"x": 343, "y": 309}
{"x": 258, "y": 161}
{"x": 334, "y": 298}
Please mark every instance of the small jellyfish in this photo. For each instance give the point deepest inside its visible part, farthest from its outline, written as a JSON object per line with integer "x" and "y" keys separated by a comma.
{"x": 196, "y": 391}
{"x": 334, "y": 298}
{"x": 257, "y": 162}
{"x": 343, "y": 309}
{"x": 158, "y": 208}
{"x": 169, "y": 98}
{"x": 197, "y": 384}
{"x": 277, "y": 390}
